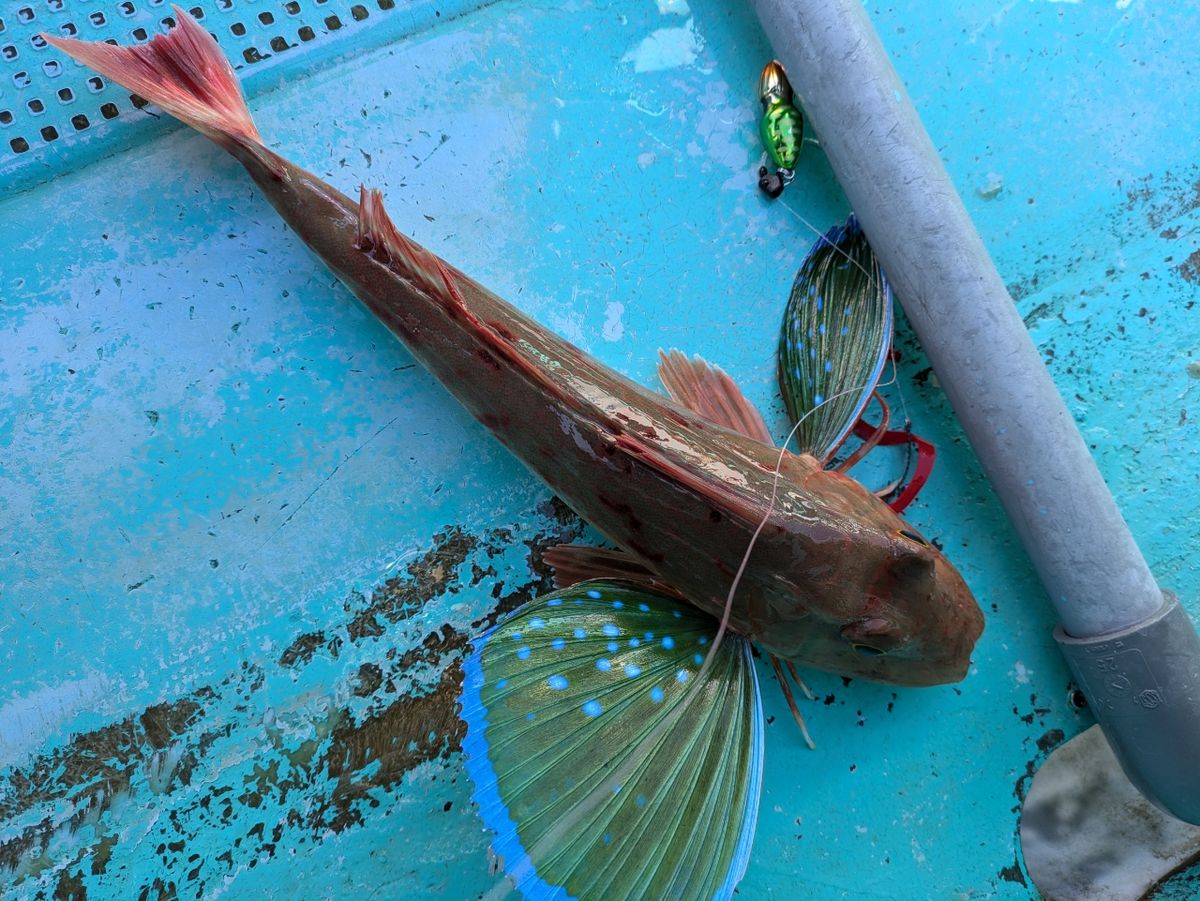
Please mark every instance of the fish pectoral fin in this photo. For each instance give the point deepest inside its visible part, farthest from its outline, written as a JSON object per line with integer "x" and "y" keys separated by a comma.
{"x": 574, "y": 563}
{"x": 606, "y": 760}
{"x": 836, "y": 336}
{"x": 708, "y": 391}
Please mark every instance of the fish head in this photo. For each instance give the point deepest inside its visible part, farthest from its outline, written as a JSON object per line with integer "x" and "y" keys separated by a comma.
{"x": 918, "y": 621}
{"x": 888, "y": 605}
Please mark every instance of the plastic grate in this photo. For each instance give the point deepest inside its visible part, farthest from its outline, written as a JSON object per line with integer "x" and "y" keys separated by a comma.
{"x": 55, "y": 115}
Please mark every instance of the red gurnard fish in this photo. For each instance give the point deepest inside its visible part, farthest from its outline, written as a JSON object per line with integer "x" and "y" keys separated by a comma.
{"x": 611, "y": 757}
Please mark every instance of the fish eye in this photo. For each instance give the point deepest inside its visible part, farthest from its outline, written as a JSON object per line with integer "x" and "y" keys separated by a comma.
{"x": 867, "y": 651}
{"x": 912, "y": 536}
{"x": 872, "y": 637}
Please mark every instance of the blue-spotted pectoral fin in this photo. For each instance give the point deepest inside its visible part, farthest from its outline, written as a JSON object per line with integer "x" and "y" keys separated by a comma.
{"x": 837, "y": 331}
{"x": 605, "y": 763}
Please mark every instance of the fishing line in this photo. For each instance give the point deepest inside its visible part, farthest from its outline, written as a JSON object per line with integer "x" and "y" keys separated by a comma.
{"x": 820, "y": 234}
{"x": 894, "y": 380}
{"x": 737, "y": 578}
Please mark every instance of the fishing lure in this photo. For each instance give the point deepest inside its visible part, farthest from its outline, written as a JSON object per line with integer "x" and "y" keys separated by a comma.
{"x": 615, "y": 754}
{"x": 839, "y": 283}
{"x": 781, "y": 128}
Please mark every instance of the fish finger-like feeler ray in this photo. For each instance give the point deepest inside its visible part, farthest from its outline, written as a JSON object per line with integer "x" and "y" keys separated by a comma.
{"x": 791, "y": 701}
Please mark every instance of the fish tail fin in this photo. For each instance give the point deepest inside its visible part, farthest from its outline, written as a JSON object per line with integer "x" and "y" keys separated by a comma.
{"x": 183, "y": 71}
{"x": 606, "y": 759}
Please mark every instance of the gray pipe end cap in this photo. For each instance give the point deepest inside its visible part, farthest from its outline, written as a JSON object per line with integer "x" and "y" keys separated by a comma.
{"x": 1143, "y": 685}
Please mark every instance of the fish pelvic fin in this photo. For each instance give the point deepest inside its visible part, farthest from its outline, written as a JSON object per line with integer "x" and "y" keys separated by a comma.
{"x": 607, "y": 760}
{"x": 378, "y": 236}
{"x": 183, "y": 71}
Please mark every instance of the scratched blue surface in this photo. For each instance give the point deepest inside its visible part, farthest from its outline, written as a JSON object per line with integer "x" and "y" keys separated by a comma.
{"x": 244, "y": 537}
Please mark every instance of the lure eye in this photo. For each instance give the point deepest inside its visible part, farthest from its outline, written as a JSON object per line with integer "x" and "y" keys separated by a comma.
{"x": 912, "y": 536}
{"x": 867, "y": 651}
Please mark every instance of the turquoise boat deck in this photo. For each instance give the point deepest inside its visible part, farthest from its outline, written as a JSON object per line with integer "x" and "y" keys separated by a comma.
{"x": 244, "y": 538}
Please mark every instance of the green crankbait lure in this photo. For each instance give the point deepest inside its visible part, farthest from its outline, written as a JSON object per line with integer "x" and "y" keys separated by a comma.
{"x": 781, "y": 127}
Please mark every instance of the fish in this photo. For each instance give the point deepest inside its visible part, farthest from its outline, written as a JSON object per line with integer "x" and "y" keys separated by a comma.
{"x": 615, "y": 741}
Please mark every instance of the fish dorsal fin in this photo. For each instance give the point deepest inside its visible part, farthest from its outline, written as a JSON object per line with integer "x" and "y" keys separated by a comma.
{"x": 837, "y": 331}
{"x": 575, "y": 563}
{"x": 379, "y": 237}
{"x": 607, "y": 761}
{"x": 709, "y": 391}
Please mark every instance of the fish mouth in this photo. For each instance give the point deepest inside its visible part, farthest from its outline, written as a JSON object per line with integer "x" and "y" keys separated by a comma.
{"x": 911, "y": 667}
{"x": 917, "y": 673}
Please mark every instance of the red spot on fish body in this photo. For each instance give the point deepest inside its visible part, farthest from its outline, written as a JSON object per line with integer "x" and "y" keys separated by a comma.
{"x": 623, "y": 510}
{"x": 488, "y": 358}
